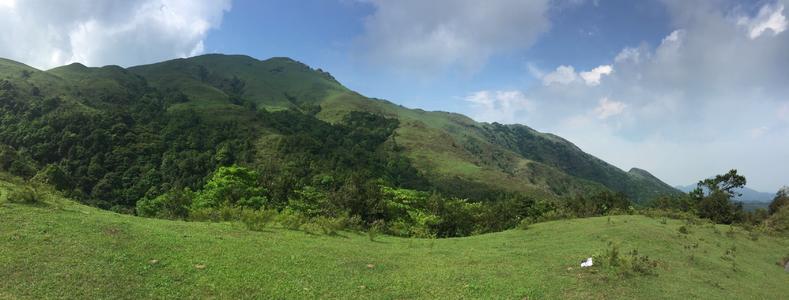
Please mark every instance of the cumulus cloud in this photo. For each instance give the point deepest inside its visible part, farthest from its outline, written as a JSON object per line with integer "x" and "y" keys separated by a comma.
{"x": 501, "y": 106}
{"x": 713, "y": 82}
{"x": 430, "y": 36}
{"x": 46, "y": 34}
{"x": 769, "y": 18}
{"x": 562, "y": 75}
{"x": 592, "y": 77}
{"x": 566, "y": 75}
{"x": 628, "y": 54}
{"x": 608, "y": 108}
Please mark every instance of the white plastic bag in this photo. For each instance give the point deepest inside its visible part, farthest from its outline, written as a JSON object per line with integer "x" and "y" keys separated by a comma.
{"x": 587, "y": 263}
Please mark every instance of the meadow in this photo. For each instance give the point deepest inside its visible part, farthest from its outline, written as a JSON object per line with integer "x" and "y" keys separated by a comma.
{"x": 58, "y": 248}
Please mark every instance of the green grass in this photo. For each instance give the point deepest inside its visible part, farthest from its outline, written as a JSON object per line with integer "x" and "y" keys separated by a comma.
{"x": 66, "y": 250}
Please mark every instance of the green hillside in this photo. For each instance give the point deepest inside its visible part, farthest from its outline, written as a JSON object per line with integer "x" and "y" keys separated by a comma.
{"x": 112, "y": 137}
{"x": 449, "y": 146}
{"x": 60, "y": 249}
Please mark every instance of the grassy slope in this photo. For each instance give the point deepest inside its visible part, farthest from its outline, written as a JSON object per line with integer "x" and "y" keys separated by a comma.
{"x": 63, "y": 249}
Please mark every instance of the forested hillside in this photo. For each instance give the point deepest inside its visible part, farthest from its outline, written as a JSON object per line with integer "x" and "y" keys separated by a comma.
{"x": 114, "y": 137}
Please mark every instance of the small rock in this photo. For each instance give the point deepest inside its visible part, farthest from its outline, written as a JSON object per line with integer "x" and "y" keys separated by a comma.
{"x": 370, "y": 266}
{"x": 153, "y": 261}
{"x": 786, "y": 267}
{"x": 199, "y": 266}
{"x": 362, "y": 287}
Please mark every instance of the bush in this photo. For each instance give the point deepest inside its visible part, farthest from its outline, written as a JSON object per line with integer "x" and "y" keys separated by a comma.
{"x": 257, "y": 220}
{"x": 375, "y": 228}
{"x": 172, "y": 205}
{"x": 25, "y": 195}
{"x": 641, "y": 264}
{"x": 330, "y": 226}
{"x": 632, "y": 263}
{"x": 781, "y": 200}
{"x": 291, "y": 219}
{"x": 683, "y": 230}
{"x": 204, "y": 214}
{"x": 779, "y": 221}
{"x": 525, "y": 223}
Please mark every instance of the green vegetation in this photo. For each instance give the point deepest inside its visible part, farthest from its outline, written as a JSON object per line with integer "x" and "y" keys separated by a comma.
{"x": 60, "y": 249}
{"x": 112, "y": 136}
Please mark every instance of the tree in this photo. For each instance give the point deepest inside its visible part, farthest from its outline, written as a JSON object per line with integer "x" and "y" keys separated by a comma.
{"x": 713, "y": 198}
{"x": 781, "y": 199}
{"x": 726, "y": 183}
{"x": 172, "y": 205}
{"x": 232, "y": 186}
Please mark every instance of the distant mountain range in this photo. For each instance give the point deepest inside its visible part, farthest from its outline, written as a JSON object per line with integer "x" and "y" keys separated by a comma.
{"x": 748, "y": 194}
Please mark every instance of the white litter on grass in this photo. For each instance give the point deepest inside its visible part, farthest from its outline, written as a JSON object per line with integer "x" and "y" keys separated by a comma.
{"x": 587, "y": 263}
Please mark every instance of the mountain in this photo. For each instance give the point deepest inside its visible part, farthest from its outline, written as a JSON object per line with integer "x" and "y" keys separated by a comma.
{"x": 113, "y": 135}
{"x": 748, "y": 194}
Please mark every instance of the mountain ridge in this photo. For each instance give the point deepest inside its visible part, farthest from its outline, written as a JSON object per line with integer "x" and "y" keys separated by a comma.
{"x": 454, "y": 152}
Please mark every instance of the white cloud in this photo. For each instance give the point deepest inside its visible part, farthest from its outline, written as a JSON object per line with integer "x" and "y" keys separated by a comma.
{"x": 430, "y": 36}
{"x": 46, "y": 34}
{"x": 628, "y": 54}
{"x": 706, "y": 99}
{"x": 759, "y": 131}
{"x": 8, "y": 3}
{"x": 566, "y": 75}
{"x": 502, "y": 106}
{"x": 783, "y": 112}
{"x": 607, "y": 108}
{"x": 769, "y": 18}
{"x": 563, "y": 75}
{"x": 592, "y": 78}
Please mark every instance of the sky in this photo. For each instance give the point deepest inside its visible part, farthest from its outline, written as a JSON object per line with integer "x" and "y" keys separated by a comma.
{"x": 683, "y": 89}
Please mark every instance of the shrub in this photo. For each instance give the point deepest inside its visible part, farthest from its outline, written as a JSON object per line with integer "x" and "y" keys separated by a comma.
{"x": 291, "y": 219}
{"x": 374, "y": 229}
{"x": 204, "y": 214}
{"x": 525, "y": 223}
{"x": 641, "y": 264}
{"x": 781, "y": 200}
{"x": 779, "y": 221}
{"x": 683, "y": 230}
{"x": 229, "y": 213}
{"x": 632, "y": 263}
{"x": 783, "y": 261}
{"x": 330, "y": 226}
{"x": 172, "y": 205}
{"x": 25, "y": 195}
{"x": 256, "y": 220}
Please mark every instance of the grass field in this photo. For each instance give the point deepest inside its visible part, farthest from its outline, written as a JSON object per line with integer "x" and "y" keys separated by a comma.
{"x": 60, "y": 249}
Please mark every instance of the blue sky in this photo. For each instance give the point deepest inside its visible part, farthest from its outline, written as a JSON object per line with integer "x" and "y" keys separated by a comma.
{"x": 324, "y": 33}
{"x": 684, "y": 89}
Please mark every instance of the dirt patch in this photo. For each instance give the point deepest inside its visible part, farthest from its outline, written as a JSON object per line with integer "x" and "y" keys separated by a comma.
{"x": 112, "y": 231}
